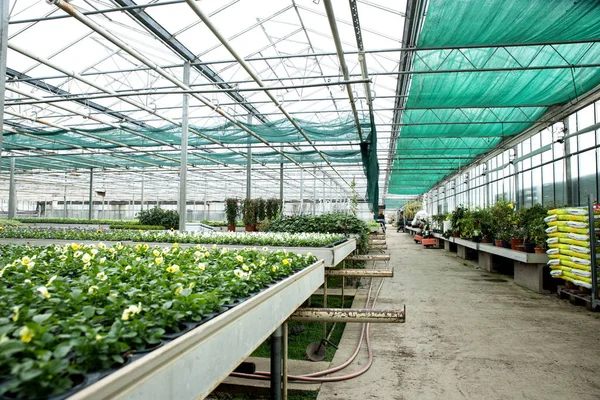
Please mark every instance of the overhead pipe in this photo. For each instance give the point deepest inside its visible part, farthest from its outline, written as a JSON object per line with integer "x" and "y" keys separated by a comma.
{"x": 343, "y": 65}
{"x": 194, "y": 6}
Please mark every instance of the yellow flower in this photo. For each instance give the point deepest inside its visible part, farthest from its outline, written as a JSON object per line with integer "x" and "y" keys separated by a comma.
{"x": 25, "y": 260}
{"x": 131, "y": 310}
{"x": 26, "y": 334}
{"x": 265, "y": 249}
{"x": 127, "y": 268}
{"x": 101, "y": 275}
{"x": 191, "y": 285}
{"x": 75, "y": 246}
{"x": 207, "y": 254}
{"x": 511, "y": 206}
{"x": 140, "y": 231}
{"x": 286, "y": 261}
{"x": 101, "y": 246}
{"x": 78, "y": 254}
{"x": 44, "y": 291}
{"x": 3, "y": 270}
{"x": 240, "y": 258}
{"x": 156, "y": 253}
{"x": 197, "y": 254}
{"x": 201, "y": 266}
{"x": 175, "y": 244}
{"x": 1, "y": 228}
{"x": 119, "y": 246}
{"x": 92, "y": 289}
{"x": 99, "y": 338}
{"x": 112, "y": 294}
{"x": 111, "y": 250}
{"x": 27, "y": 281}
{"x": 274, "y": 268}
{"x": 178, "y": 290}
{"x": 102, "y": 260}
{"x": 158, "y": 260}
{"x": 51, "y": 280}
{"x": 99, "y": 231}
{"x": 172, "y": 229}
{"x": 16, "y": 311}
{"x": 30, "y": 265}
{"x": 146, "y": 247}
{"x": 172, "y": 269}
{"x": 245, "y": 267}
{"x": 86, "y": 258}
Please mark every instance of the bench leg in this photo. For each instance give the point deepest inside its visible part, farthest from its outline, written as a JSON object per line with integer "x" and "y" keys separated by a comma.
{"x": 449, "y": 246}
{"x": 486, "y": 261}
{"x": 465, "y": 253}
{"x": 530, "y": 276}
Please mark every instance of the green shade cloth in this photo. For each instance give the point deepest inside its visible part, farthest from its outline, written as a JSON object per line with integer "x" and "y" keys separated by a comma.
{"x": 484, "y": 107}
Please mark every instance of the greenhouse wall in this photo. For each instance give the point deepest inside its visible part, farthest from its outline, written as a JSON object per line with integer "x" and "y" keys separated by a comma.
{"x": 545, "y": 168}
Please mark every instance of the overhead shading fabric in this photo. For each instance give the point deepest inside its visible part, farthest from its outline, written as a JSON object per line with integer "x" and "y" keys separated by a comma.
{"x": 493, "y": 92}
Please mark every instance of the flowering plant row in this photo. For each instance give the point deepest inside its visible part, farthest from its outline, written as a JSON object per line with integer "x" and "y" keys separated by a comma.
{"x": 231, "y": 238}
{"x": 67, "y": 311}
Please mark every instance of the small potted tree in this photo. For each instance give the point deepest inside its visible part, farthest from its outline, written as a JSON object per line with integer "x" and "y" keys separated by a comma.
{"x": 537, "y": 232}
{"x": 249, "y": 214}
{"x": 231, "y": 213}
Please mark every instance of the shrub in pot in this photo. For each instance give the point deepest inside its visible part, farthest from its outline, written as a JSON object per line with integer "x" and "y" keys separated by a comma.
{"x": 249, "y": 214}
{"x": 231, "y": 213}
{"x": 157, "y": 216}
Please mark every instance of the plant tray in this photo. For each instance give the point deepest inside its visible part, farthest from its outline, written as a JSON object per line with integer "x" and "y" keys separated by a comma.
{"x": 418, "y": 238}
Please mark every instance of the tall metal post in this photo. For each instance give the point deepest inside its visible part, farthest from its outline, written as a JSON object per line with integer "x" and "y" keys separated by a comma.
{"x": 249, "y": 165}
{"x": 4, "y": 10}
{"x": 301, "y": 191}
{"x": 281, "y": 185}
{"x": 91, "y": 195}
{"x": 592, "y": 228}
{"x": 184, "y": 149}
{"x": 323, "y": 208}
{"x": 66, "y": 212}
{"x": 142, "y": 197}
{"x": 12, "y": 191}
{"x": 314, "y": 201}
{"x": 284, "y": 385}
{"x": 276, "y": 364}
{"x": 568, "y": 167}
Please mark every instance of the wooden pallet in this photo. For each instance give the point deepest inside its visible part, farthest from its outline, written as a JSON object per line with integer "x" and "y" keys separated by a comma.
{"x": 576, "y": 297}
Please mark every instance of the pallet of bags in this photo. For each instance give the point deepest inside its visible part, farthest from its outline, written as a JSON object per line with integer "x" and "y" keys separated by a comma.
{"x": 569, "y": 245}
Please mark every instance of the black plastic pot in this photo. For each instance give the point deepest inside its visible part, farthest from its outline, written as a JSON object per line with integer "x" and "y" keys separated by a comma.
{"x": 529, "y": 248}
{"x": 80, "y": 381}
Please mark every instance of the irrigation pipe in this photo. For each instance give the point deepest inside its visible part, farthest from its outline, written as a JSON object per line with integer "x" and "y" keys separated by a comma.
{"x": 318, "y": 376}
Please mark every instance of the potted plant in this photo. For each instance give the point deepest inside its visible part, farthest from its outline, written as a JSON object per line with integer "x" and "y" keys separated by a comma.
{"x": 537, "y": 232}
{"x": 249, "y": 214}
{"x": 261, "y": 209}
{"x": 483, "y": 222}
{"x": 457, "y": 215}
{"x": 466, "y": 224}
{"x": 231, "y": 212}
{"x": 502, "y": 216}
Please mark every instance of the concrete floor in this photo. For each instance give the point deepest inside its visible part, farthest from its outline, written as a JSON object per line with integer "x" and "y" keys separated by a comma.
{"x": 470, "y": 336}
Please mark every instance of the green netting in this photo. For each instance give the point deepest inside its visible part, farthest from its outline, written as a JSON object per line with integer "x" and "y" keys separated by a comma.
{"x": 484, "y": 107}
{"x": 280, "y": 131}
{"x": 170, "y": 159}
{"x": 370, "y": 162}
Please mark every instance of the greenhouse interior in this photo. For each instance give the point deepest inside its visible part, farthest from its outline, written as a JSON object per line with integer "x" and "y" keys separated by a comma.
{"x": 299, "y": 199}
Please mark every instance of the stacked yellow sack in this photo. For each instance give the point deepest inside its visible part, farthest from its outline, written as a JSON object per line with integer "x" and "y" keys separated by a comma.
{"x": 569, "y": 245}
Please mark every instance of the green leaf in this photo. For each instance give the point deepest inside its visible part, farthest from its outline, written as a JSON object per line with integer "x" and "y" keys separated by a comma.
{"x": 11, "y": 347}
{"x": 40, "y": 318}
{"x": 118, "y": 358}
{"x": 185, "y": 292}
{"x": 76, "y": 293}
{"x": 89, "y": 311}
{"x": 167, "y": 304}
{"x": 62, "y": 350}
{"x": 30, "y": 374}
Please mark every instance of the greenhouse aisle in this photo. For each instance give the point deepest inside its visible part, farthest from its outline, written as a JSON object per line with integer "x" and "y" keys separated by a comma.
{"x": 469, "y": 336}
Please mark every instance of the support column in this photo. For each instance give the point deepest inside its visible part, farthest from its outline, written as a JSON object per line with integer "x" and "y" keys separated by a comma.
{"x": 142, "y": 198}
{"x": 249, "y": 166}
{"x": 91, "y": 195}
{"x": 323, "y": 204}
{"x": 281, "y": 185}
{"x": 12, "y": 191}
{"x": 301, "y": 191}
{"x": 4, "y": 10}
{"x": 314, "y": 202}
{"x": 184, "y": 149}
{"x": 276, "y": 364}
{"x": 568, "y": 180}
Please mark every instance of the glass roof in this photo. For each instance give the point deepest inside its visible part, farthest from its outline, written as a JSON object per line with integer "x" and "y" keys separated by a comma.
{"x": 77, "y": 99}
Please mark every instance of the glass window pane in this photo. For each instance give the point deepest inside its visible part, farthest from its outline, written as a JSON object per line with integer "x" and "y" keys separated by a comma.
{"x": 548, "y": 184}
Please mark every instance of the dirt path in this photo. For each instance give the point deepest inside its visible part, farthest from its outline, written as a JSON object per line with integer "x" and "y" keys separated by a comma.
{"x": 470, "y": 334}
